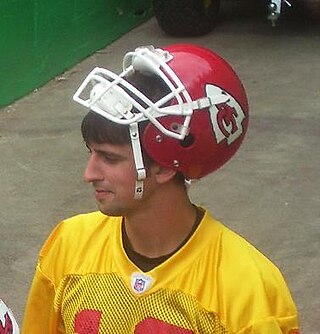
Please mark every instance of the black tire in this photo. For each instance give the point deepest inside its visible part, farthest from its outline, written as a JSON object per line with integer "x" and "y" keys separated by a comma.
{"x": 186, "y": 17}
{"x": 312, "y": 9}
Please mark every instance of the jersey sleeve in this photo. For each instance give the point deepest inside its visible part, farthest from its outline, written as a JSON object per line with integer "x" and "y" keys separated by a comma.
{"x": 256, "y": 297}
{"x": 287, "y": 325}
{"x": 40, "y": 316}
{"x": 56, "y": 258}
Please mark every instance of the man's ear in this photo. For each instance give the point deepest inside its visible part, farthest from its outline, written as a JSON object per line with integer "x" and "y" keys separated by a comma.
{"x": 163, "y": 174}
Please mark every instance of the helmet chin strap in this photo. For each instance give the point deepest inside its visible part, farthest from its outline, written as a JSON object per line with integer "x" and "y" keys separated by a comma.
{"x": 138, "y": 160}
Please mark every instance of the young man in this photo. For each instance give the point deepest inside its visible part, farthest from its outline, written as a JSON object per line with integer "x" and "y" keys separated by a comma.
{"x": 150, "y": 261}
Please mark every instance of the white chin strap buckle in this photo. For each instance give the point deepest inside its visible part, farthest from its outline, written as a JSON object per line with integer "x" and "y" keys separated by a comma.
{"x": 138, "y": 191}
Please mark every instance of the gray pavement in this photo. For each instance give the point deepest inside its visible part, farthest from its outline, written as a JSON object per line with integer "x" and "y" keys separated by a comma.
{"x": 269, "y": 193}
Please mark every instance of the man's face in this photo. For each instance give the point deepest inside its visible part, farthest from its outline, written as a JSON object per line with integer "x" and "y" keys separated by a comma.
{"x": 111, "y": 171}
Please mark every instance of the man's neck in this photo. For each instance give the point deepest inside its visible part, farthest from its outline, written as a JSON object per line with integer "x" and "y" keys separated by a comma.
{"x": 146, "y": 263}
{"x": 162, "y": 226}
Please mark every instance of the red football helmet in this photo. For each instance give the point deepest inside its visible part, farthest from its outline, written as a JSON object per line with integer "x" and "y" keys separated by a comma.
{"x": 206, "y": 119}
{"x": 215, "y": 132}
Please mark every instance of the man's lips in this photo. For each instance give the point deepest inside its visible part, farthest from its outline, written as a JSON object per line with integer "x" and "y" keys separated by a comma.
{"x": 102, "y": 193}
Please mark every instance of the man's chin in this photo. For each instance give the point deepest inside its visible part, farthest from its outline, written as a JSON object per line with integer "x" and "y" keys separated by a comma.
{"x": 111, "y": 212}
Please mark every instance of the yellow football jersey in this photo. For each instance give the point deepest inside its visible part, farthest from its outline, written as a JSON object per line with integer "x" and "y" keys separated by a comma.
{"x": 217, "y": 283}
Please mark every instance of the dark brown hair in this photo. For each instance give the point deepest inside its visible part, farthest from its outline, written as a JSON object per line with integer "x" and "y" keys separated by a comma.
{"x": 96, "y": 128}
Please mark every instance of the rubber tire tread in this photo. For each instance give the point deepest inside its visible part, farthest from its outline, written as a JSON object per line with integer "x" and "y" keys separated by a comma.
{"x": 312, "y": 9}
{"x": 184, "y": 18}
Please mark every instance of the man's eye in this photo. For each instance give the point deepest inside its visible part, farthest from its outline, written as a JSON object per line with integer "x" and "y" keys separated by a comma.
{"x": 110, "y": 159}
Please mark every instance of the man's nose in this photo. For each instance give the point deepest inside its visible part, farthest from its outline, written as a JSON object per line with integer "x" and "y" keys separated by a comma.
{"x": 92, "y": 172}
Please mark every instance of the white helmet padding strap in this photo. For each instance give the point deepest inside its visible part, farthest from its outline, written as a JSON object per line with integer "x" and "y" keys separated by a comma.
{"x": 138, "y": 159}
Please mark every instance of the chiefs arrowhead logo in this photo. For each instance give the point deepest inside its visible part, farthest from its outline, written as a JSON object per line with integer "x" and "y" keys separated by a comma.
{"x": 226, "y": 118}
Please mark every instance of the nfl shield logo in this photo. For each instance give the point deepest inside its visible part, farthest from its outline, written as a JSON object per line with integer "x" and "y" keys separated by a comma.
{"x": 140, "y": 282}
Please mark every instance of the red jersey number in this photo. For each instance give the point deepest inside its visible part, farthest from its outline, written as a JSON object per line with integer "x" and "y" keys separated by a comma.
{"x": 156, "y": 326}
{"x": 88, "y": 322}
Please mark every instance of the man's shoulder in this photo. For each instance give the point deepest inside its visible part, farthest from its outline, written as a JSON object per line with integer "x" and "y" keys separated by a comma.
{"x": 88, "y": 221}
{"x": 86, "y": 225}
{"x": 78, "y": 229}
{"x": 242, "y": 260}
{"x": 244, "y": 254}
{"x": 251, "y": 278}
{"x": 238, "y": 254}
{"x": 75, "y": 234}
{"x": 94, "y": 217}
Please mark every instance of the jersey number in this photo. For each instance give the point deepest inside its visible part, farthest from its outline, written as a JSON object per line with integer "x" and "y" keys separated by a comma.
{"x": 88, "y": 322}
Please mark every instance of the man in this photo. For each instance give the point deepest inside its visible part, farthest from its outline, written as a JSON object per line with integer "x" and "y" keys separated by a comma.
{"x": 150, "y": 261}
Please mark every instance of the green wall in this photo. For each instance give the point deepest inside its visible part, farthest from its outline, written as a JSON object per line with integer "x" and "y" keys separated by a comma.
{"x": 41, "y": 38}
